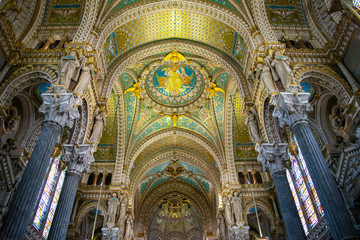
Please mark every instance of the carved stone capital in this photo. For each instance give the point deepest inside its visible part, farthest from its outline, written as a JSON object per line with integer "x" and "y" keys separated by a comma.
{"x": 78, "y": 157}
{"x": 59, "y": 107}
{"x": 291, "y": 108}
{"x": 273, "y": 156}
{"x": 111, "y": 233}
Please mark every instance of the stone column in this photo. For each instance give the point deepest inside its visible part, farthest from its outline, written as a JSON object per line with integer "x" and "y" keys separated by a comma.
{"x": 272, "y": 157}
{"x": 286, "y": 39}
{"x": 300, "y": 42}
{"x": 290, "y": 109}
{"x": 78, "y": 159}
{"x": 62, "y": 42}
{"x": 49, "y": 40}
{"x": 246, "y": 177}
{"x": 355, "y": 85}
{"x": 59, "y": 112}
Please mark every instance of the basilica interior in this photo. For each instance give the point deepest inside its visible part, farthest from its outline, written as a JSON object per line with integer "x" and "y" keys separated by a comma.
{"x": 179, "y": 119}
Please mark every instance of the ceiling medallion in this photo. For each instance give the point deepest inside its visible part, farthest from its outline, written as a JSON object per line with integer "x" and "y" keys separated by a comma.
{"x": 174, "y": 85}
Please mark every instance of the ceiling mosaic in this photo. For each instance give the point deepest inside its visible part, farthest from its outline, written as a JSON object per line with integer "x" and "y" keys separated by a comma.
{"x": 173, "y": 24}
{"x": 106, "y": 148}
{"x": 172, "y": 143}
{"x": 286, "y": 13}
{"x": 175, "y": 216}
{"x": 63, "y": 12}
{"x": 244, "y": 149}
{"x": 157, "y": 175}
{"x": 125, "y": 3}
{"x": 174, "y": 85}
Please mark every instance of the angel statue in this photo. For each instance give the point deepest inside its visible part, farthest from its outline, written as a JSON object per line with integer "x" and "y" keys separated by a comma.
{"x": 69, "y": 69}
{"x": 84, "y": 79}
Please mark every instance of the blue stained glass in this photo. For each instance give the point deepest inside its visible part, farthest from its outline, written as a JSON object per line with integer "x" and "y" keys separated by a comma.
{"x": 53, "y": 205}
{"x": 356, "y": 4}
{"x": 45, "y": 196}
{"x": 303, "y": 192}
{"x": 310, "y": 182}
{"x": 297, "y": 202}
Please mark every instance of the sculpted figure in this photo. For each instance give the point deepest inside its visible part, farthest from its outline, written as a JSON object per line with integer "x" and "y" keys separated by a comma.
{"x": 113, "y": 205}
{"x": 221, "y": 226}
{"x": 129, "y": 233}
{"x": 68, "y": 70}
{"x": 84, "y": 79}
{"x": 282, "y": 66}
{"x": 266, "y": 77}
{"x": 122, "y": 215}
{"x": 237, "y": 207}
{"x": 228, "y": 212}
{"x": 253, "y": 127}
{"x": 98, "y": 125}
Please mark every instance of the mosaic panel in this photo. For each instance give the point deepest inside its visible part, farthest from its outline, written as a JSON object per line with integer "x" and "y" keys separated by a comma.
{"x": 63, "y": 12}
{"x": 106, "y": 147}
{"x": 130, "y": 102}
{"x": 190, "y": 180}
{"x": 219, "y": 111}
{"x": 156, "y": 126}
{"x": 205, "y": 116}
{"x": 188, "y": 123}
{"x": 174, "y": 85}
{"x": 126, "y": 80}
{"x": 171, "y": 24}
{"x": 286, "y": 13}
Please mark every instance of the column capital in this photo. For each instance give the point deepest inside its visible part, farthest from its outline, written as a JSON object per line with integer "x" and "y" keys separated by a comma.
{"x": 59, "y": 107}
{"x": 273, "y": 156}
{"x": 78, "y": 157}
{"x": 291, "y": 108}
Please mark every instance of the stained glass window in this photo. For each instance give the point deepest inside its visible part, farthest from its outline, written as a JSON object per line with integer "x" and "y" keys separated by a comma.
{"x": 356, "y": 4}
{"x": 297, "y": 202}
{"x": 49, "y": 198}
{"x": 304, "y": 193}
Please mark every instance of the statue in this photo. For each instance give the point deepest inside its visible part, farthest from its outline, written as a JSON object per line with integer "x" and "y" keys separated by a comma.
{"x": 237, "y": 207}
{"x": 253, "y": 127}
{"x": 113, "y": 204}
{"x": 84, "y": 79}
{"x": 266, "y": 77}
{"x": 122, "y": 215}
{"x": 129, "y": 233}
{"x": 228, "y": 212}
{"x": 69, "y": 69}
{"x": 213, "y": 89}
{"x": 282, "y": 67}
{"x": 98, "y": 125}
{"x": 221, "y": 226}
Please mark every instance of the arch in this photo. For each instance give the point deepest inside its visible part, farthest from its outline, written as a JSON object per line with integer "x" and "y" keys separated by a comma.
{"x": 263, "y": 207}
{"x": 166, "y": 156}
{"x": 86, "y": 208}
{"x": 23, "y": 78}
{"x": 210, "y": 10}
{"x": 183, "y": 189}
{"x": 182, "y": 46}
{"x": 170, "y": 132}
{"x": 327, "y": 78}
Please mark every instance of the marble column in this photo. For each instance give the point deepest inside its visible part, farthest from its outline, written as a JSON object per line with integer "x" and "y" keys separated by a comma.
{"x": 355, "y": 85}
{"x": 59, "y": 112}
{"x": 273, "y": 157}
{"x": 49, "y": 40}
{"x": 291, "y": 109}
{"x": 78, "y": 159}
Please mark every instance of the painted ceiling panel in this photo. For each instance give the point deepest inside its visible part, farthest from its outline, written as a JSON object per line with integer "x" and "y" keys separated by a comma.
{"x": 63, "y": 12}
{"x": 286, "y": 13}
{"x": 174, "y": 24}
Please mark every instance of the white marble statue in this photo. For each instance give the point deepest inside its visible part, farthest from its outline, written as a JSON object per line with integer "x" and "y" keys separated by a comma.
{"x": 282, "y": 66}
{"x": 266, "y": 77}
{"x": 228, "y": 212}
{"x": 253, "y": 126}
{"x": 237, "y": 207}
{"x": 113, "y": 205}
{"x": 84, "y": 79}
{"x": 221, "y": 226}
{"x": 122, "y": 214}
{"x": 129, "y": 233}
{"x": 96, "y": 134}
{"x": 68, "y": 70}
